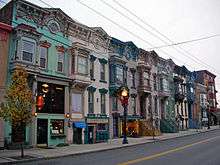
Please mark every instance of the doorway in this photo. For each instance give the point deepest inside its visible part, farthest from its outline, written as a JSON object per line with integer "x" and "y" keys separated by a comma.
{"x": 91, "y": 134}
{"x": 42, "y": 131}
{"x": 77, "y": 135}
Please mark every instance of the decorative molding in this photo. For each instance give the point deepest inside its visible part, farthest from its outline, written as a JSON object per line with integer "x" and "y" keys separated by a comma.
{"x": 45, "y": 44}
{"x": 103, "y": 61}
{"x": 60, "y": 48}
{"x": 91, "y": 88}
{"x": 92, "y": 58}
{"x": 103, "y": 91}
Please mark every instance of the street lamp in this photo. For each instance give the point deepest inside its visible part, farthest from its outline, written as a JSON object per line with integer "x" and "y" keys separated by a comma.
{"x": 123, "y": 94}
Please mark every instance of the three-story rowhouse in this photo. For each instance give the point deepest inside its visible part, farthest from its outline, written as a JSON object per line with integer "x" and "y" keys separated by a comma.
{"x": 147, "y": 92}
{"x": 123, "y": 71}
{"x": 40, "y": 44}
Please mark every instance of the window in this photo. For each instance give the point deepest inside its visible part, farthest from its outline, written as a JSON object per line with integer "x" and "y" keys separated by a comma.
{"x": 155, "y": 106}
{"x": 102, "y": 103}
{"x": 82, "y": 65}
{"x": 133, "y": 78}
{"x": 76, "y": 102}
{"x": 91, "y": 101}
{"x": 161, "y": 84}
{"x": 92, "y": 69}
{"x": 155, "y": 83}
{"x": 133, "y": 105}
{"x": 114, "y": 104}
{"x": 43, "y": 57}
{"x": 102, "y": 72}
{"x": 60, "y": 66}
{"x": 53, "y": 97}
{"x": 146, "y": 79}
{"x": 28, "y": 50}
{"x": 119, "y": 74}
{"x": 57, "y": 127}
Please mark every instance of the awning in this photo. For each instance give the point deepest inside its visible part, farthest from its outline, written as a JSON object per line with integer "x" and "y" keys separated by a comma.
{"x": 79, "y": 124}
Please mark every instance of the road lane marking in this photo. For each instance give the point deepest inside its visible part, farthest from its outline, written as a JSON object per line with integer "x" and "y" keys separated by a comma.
{"x": 165, "y": 152}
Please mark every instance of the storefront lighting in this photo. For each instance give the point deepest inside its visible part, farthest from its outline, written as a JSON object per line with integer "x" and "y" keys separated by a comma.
{"x": 59, "y": 88}
{"x": 45, "y": 85}
{"x": 67, "y": 115}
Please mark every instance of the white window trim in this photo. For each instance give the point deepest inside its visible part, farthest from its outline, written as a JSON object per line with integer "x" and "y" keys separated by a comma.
{"x": 63, "y": 54}
{"x": 34, "y": 51}
{"x": 46, "y": 66}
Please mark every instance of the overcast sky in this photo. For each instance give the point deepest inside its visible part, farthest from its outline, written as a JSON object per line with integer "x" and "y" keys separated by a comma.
{"x": 179, "y": 20}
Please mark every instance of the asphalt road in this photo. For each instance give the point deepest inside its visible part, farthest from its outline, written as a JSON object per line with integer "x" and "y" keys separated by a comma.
{"x": 200, "y": 149}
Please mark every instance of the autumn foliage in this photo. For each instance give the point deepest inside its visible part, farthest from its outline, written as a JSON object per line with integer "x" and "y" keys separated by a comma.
{"x": 18, "y": 100}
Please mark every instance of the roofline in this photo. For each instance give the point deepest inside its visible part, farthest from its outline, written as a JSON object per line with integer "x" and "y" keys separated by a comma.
{"x": 5, "y": 27}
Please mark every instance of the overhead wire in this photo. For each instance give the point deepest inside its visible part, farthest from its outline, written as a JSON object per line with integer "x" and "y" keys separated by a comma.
{"x": 154, "y": 29}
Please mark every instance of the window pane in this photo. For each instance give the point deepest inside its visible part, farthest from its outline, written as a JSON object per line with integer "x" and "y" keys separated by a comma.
{"x": 42, "y": 62}
{"x": 57, "y": 127}
{"x": 102, "y": 72}
{"x": 27, "y": 50}
{"x": 76, "y": 102}
{"x": 82, "y": 65}
{"x": 119, "y": 74}
{"x": 43, "y": 57}
{"x": 27, "y": 56}
{"x": 60, "y": 61}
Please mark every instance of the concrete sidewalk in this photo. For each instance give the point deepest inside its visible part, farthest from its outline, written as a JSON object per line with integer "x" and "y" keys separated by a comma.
{"x": 6, "y": 156}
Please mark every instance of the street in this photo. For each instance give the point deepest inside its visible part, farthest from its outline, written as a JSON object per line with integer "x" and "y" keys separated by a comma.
{"x": 202, "y": 149}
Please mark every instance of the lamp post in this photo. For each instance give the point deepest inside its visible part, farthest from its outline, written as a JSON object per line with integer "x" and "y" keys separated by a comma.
{"x": 123, "y": 94}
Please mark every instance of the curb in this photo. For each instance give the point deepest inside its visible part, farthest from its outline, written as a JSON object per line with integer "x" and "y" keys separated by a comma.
{"x": 105, "y": 149}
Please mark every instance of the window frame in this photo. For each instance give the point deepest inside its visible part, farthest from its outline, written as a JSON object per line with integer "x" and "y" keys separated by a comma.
{"x": 46, "y": 57}
{"x": 103, "y": 103}
{"x": 84, "y": 65}
{"x": 90, "y": 102}
{"x": 60, "y": 54}
{"x": 24, "y": 39}
{"x": 102, "y": 72}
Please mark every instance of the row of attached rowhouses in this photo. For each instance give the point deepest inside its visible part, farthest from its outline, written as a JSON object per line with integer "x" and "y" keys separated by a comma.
{"x": 76, "y": 70}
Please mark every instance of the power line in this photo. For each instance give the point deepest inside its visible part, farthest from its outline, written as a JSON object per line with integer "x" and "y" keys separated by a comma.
{"x": 153, "y": 28}
{"x": 125, "y": 29}
{"x": 186, "y": 42}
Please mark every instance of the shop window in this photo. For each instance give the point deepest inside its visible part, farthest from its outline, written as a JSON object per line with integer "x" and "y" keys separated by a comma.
{"x": 28, "y": 50}
{"x": 43, "y": 57}
{"x": 57, "y": 127}
{"x": 52, "y": 96}
{"x": 102, "y": 127}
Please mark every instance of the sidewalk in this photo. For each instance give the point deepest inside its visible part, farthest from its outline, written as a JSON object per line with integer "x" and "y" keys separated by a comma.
{"x": 6, "y": 156}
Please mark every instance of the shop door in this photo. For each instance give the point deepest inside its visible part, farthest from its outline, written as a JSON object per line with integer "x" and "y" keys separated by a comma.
{"x": 91, "y": 134}
{"x": 77, "y": 135}
{"x": 42, "y": 125}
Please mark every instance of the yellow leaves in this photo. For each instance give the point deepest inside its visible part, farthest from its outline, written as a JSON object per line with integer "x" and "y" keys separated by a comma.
{"x": 19, "y": 100}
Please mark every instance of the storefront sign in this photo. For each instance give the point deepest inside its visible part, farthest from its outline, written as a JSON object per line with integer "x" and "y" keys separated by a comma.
{"x": 97, "y": 120}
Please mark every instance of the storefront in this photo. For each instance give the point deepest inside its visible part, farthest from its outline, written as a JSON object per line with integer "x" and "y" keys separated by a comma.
{"x": 78, "y": 131}
{"x": 97, "y": 129}
{"x": 132, "y": 126}
{"x": 50, "y": 114}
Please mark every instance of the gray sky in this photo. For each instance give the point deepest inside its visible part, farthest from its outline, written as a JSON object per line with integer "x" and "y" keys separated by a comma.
{"x": 179, "y": 20}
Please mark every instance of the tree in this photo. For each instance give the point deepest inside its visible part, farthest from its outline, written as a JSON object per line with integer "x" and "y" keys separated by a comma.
{"x": 17, "y": 106}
